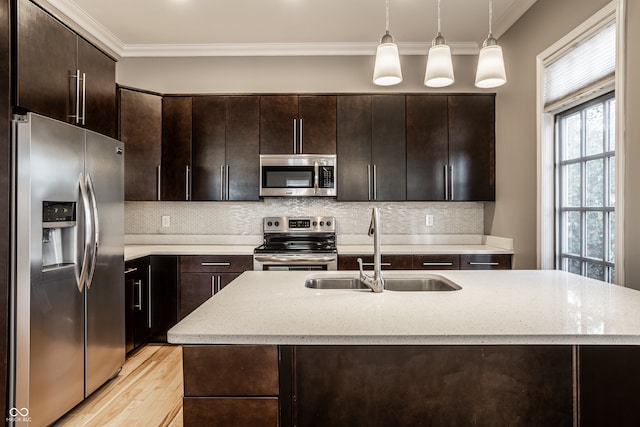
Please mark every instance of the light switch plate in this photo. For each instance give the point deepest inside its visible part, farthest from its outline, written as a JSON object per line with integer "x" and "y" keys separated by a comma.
{"x": 166, "y": 221}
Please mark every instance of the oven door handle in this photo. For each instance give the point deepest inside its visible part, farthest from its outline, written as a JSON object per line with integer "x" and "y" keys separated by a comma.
{"x": 293, "y": 259}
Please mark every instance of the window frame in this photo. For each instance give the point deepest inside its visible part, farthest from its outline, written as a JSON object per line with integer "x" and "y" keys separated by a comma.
{"x": 546, "y": 219}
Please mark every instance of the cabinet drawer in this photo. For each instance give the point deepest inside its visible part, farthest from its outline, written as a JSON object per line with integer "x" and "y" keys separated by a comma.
{"x": 230, "y": 370}
{"x": 231, "y": 412}
{"x": 436, "y": 262}
{"x": 216, "y": 263}
{"x": 485, "y": 262}
{"x": 389, "y": 262}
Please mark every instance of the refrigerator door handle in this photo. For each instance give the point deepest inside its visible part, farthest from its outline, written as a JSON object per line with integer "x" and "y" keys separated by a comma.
{"x": 96, "y": 230}
{"x": 87, "y": 232}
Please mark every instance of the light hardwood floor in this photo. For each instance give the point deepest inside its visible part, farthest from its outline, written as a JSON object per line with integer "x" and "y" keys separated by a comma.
{"x": 148, "y": 392}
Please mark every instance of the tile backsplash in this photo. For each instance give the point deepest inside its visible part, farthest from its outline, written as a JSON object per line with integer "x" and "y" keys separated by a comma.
{"x": 245, "y": 218}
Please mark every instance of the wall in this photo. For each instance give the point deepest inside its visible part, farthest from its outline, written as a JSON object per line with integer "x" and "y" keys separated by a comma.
{"x": 514, "y": 212}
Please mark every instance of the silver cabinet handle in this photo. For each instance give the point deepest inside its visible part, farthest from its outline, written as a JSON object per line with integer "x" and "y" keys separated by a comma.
{"x": 149, "y": 298}
{"x": 215, "y": 264}
{"x": 483, "y": 263}
{"x": 375, "y": 183}
{"x": 213, "y": 285}
{"x": 301, "y": 137}
{"x": 84, "y": 98}
{"x": 186, "y": 184}
{"x": 384, "y": 264}
{"x": 294, "y": 136}
{"x": 451, "y": 181}
{"x": 226, "y": 178}
{"x": 138, "y": 306}
{"x": 369, "y": 182}
{"x": 446, "y": 182}
{"x": 158, "y": 182}
{"x": 130, "y": 270}
{"x": 432, "y": 264}
{"x": 76, "y": 117}
{"x": 221, "y": 182}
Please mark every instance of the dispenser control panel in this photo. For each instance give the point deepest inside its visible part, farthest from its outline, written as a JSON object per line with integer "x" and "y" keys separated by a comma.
{"x": 58, "y": 214}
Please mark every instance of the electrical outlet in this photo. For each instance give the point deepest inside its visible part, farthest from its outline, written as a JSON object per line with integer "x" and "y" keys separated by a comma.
{"x": 166, "y": 221}
{"x": 429, "y": 220}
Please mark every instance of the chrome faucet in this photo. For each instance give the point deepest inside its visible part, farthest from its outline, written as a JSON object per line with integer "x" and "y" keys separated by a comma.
{"x": 375, "y": 282}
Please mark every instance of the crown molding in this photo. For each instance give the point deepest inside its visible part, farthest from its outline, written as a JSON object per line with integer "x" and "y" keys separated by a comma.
{"x": 283, "y": 49}
{"x": 511, "y": 16}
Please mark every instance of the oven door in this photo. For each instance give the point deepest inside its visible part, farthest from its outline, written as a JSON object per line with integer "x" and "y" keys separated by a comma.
{"x": 290, "y": 262}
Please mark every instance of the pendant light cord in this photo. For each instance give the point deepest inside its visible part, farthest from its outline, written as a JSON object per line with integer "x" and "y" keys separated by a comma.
{"x": 490, "y": 16}
{"x": 439, "y": 17}
{"x": 387, "y": 22}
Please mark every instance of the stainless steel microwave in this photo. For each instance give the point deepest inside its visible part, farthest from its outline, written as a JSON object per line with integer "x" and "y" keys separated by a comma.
{"x": 298, "y": 175}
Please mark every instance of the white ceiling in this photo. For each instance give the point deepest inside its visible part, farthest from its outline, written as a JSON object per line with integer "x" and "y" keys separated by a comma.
{"x": 285, "y": 27}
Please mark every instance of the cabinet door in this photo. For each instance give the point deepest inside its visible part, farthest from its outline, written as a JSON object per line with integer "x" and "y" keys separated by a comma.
{"x": 278, "y": 124}
{"x": 208, "y": 147}
{"x": 176, "y": 148}
{"x": 388, "y": 147}
{"x": 354, "y": 147}
{"x": 99, "y": 71}
{"x": 317, "y": 116}
{"x": 164, "y": 295}
{"x": 139, "y": 289}
{"x": 243, "y": 147}
{"x": 427, "y": 147}
{"x": 196, "y": 288}
{"x": 141, "y": 133}
{"x": 46, "y": 62}
{"x": 472, "y": 147}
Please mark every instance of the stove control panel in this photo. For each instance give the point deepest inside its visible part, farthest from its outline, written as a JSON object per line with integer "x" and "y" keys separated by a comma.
{"x": 313, "y": 224}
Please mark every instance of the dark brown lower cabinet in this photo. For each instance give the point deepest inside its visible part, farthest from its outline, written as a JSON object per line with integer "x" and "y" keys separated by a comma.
{"x": 430, "y": 385}
{"x": 485, "y": 262}
{"x": 389, "y": 262}
{"x": 231, "y": 385}
{"x": 430, "y": 262}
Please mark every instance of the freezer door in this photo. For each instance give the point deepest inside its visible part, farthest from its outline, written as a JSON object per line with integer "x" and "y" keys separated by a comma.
{"x": 48, "y": 333}
{"x": 105, "y": 345}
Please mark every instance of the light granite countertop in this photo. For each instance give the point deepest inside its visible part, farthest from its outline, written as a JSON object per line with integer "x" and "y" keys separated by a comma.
{"x": 493, "y": 307}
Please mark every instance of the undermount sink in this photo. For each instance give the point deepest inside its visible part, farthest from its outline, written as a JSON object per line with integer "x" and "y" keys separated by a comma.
{"x": 429, "y": 282}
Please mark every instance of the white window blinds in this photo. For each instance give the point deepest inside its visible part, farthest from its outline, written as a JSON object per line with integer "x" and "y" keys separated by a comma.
{"x": 585, "y": 67}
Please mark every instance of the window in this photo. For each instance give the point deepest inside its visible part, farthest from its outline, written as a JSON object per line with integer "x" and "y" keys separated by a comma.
{"x": 585, "y": 189}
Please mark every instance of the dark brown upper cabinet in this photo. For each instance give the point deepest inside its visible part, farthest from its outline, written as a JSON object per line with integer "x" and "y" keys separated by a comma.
{"x": 298, "y": 124}
{"x": 451, "y": 147}
{"x": 371, "y": 147}
{"x": 141, "y": 132}
{"x": 472, "y": 147}
{"x": 225, "y": 148}
{"x": 176, "y": 148}
{"x": 61, "y": 75}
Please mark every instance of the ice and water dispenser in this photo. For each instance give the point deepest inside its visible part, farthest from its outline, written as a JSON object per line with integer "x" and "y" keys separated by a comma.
{"x": 58, "y": 234}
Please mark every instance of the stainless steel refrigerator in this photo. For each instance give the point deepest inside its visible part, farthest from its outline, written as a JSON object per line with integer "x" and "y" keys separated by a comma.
{"x": 67, "y": 303}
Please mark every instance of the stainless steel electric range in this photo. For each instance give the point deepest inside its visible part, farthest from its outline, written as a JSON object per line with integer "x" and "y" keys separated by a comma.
{"x": 297, "y": 243}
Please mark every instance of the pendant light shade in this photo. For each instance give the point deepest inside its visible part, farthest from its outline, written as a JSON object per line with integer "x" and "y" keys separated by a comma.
{"x": 439, "y": 71}
{"x": 490, "y": 72}
{"x": 387, "y": 71}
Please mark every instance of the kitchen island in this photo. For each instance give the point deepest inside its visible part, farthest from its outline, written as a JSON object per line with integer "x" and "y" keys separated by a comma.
{"x": 509, "y": 348}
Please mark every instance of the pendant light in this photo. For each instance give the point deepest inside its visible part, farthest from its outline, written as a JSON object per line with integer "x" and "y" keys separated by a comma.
{"x": 490, "y": 71}
{"x": 439, "y": 71}
{"x": 387, "y": 70}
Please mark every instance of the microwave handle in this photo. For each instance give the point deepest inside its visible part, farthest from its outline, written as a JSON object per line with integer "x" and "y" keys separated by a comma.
{"x": 316, "y": 171}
